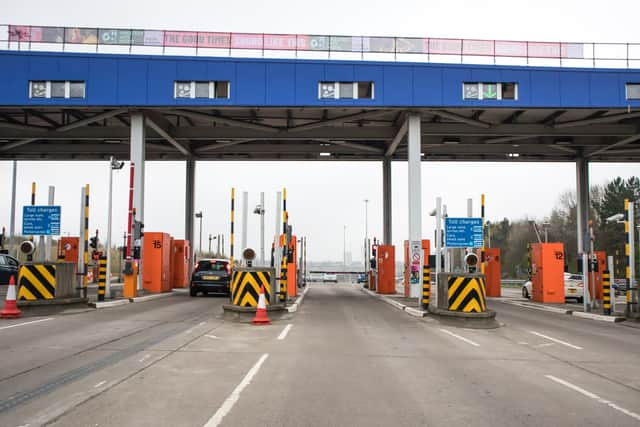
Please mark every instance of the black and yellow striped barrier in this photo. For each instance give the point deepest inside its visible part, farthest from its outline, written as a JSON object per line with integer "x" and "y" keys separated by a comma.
{"x": 102, "y": 277}
{"x": 36, "y": 282}
{"x": 246, "y": 287}
{"x": 606, "y": 292}
{"x": 466, "y": 294}
{"x": 426, "y": 287}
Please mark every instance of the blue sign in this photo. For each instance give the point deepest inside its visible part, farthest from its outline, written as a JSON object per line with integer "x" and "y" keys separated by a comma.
{"x": 41, "y": 220}
{"x": 463, "y": 232}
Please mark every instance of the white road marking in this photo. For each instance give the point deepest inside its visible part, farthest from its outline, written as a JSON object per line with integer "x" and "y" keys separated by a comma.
{"x": 99, "y": 384}
{"x": 201, "y": 323}
{"x": 594, "y": 396}
{"x": 546, "y": 344}
{"x": 26, "y": 323}
{"x": 285, "y": 331}
{"x": 468, "y": 341}
{"x": 146, "y": 356}
{"x": 213, "y": 337}
{"x": 189, "y": 331}
{"x": 226, "y": 407}
{"x": 556, "y": 340}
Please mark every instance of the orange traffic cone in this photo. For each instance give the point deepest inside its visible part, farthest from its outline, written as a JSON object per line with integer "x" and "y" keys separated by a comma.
{"x": 10, "y": 310}
{"x": 261, "y": 312}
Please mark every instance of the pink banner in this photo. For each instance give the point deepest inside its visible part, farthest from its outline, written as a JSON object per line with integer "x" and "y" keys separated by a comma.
{"x": 509, "y": 48}
{"x": 214, "y": 40}
{"x": 19, "y": 33}
{"x": 246, "y": 41}
{"x": 180, "y": 38}
{"x": 543, "y": 50}
{"x": 477, "y": 47}
{"x": 280, "y": 41}
{"x": 445, "y": 46}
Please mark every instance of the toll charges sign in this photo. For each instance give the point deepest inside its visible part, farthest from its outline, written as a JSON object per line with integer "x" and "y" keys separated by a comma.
{"x": 463, "y": 232}
{"x": 41, "y": 220}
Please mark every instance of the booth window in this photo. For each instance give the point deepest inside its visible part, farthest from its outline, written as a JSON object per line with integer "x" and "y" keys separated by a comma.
{"x": 633, "y": 91}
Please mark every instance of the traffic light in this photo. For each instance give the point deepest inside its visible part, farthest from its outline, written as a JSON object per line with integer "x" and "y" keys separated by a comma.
{"x": 93, "y": 242}
{"x": 137, "y": 230}
{"x": 135, "y": 252}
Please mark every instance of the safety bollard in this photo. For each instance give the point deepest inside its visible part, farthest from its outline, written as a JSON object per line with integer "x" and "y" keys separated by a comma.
{"x": 426, "y": 287}
{"x": 283, "y": 279}
{"x": 102, "y": 277}
{"x": 606, "y": 292}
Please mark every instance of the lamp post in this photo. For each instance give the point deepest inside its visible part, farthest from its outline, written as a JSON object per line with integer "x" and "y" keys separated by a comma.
{"x": 113, "y": 165}
{"x": 366, "y": 235}
{"x": 260, "y": 211}
{"x": 199, "y": 216}
{"x": 344, "y": 248}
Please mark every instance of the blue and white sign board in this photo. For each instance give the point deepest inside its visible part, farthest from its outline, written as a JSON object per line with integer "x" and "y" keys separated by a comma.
{"x": 41, "y": 220}
{"x": 463, "y": 232}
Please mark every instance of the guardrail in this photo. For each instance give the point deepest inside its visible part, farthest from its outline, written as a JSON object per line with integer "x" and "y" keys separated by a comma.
{"x": 200, "y": 43}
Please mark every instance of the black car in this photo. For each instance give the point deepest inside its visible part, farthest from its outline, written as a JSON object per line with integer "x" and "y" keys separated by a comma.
{"x": 211, "y": 276}
{"x": 8, "y": 267}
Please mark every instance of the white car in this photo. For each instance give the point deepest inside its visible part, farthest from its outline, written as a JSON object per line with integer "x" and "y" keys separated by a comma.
{"x": 573, "y": 287}
{"x": 330, "y": 277}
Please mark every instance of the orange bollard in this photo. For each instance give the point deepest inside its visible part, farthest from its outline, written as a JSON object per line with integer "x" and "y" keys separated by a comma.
{"x": 11, "y": 310}
{"x": 131, "y": 282}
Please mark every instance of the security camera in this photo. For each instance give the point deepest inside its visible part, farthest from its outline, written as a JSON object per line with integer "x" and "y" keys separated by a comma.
{"x": 432, "y": 212}
{"x": 615, "y": 218}
{"x": 116, "y": 165}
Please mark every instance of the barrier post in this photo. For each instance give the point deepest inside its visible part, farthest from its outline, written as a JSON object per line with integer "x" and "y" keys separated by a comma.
{"x": 482, "y": 254}
{"x": 102, "y": 277}
{"x": 232, "y": 238}
{"x": 285, "y": 249}
{"x": 426, "y": 286}
{"x": 606, "y": 292}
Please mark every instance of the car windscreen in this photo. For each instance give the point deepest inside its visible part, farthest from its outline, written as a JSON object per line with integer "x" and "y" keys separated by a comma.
{"x": 211, "y": 266}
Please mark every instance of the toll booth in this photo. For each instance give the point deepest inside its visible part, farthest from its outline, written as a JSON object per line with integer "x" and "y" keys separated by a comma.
{"x": 547, "y": 272}
{"x": 492, "y": 271}
{"x": 426, "y": 249}
{"x": 68, "y": 249}
{"x": 386, "y": 269}
{"x": 157, "y": 262}
{"x": 181, "y": 253}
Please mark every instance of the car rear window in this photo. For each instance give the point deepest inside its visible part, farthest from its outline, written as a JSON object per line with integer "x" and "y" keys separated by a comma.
{"x": 211, "y": 266}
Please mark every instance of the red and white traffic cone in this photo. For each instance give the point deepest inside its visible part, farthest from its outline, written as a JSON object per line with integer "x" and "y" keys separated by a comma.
{"x": 261, "y": 312}
{"x": 10, "y": 310}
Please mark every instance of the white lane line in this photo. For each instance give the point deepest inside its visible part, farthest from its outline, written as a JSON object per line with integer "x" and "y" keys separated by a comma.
{"x": 201, "y": 323}
{"x": 468, "y": 341}
{"x": 226, "y": 407}
{"x": 556, "y": 340}
{"x": 594, "y": 396}
{"x": 285, "y": 331}
{"x": 144, "y": 358}
{"x": 213, "y": 337}
{"x": 26, "y": 323}
{"x": 99, "y": 384}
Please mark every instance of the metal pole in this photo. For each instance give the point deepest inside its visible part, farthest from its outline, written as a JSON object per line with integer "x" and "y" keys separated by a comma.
{"x": 33, "y": 202}
{"x": 344, "y": 248}
{"x": 245, "y": 207}
{"x": 81, "y": 243}
{"x": 12, "y": 229}
{"x": 262, "y": 228}
{"x": 612, "y": 279}
{"x": 438, "y": 249}
{"x": 629, "y": 225}
{"x": 285, "y": 248}
{"x": 585, "y": 281}
{"x": 130, "y": 216}
{"x": 414, "y": 179}
{"x": 366, "y": 236}
{"x": 592, "y": 257}
{"x": 277, "y": 255}
{"x": 231, "y": 238}
{"x": 107, "y": 287}
{"x": 445, "y": 250}
{"x": 210, "y": 239}
{"x": 86, "y": 239}
{"x": 482, "y": 266}
{"x": 48, "y": 255}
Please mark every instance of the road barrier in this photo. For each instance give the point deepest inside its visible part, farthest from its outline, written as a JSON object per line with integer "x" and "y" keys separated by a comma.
{"x": 246, "y": 283}
{"x": 102, "y": 277}
{"x": 467, "y": 294}
{"x": 37, "y": 282}
{"x": 606, "y": 292}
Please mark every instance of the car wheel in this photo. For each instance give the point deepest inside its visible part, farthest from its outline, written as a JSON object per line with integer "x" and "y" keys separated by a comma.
{"x": 525, "y": 293}
{"x": 192, "y": 292}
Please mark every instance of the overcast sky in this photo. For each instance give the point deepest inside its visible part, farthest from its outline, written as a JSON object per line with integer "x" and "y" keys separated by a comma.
{"x": 323, "y": 197}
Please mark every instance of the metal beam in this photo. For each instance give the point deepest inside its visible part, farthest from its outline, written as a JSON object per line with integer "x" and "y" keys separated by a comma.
{"x": 96, "y": 118}
{"x": 17, "y": 144}
{"x": 527, "y": 129}
{"x": 337, "y": 120}
{"x": 224, "y": 120}
{"x": 220, "y": 145}
{"x": 359, "y": 147}
{"x": 617, "y": 144}
{"x": 20, "y": 126}
{"x": 562, "y": 148}
{"x": 460, "y": 118}
{"x": 168, "y": 137}
{"x": 604, "y": 119}
{"x": 504, "y": 139}
{"x": 397, "y": 139}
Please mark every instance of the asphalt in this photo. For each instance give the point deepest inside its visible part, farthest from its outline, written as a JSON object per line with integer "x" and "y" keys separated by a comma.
{"x": 346, "y": 359}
